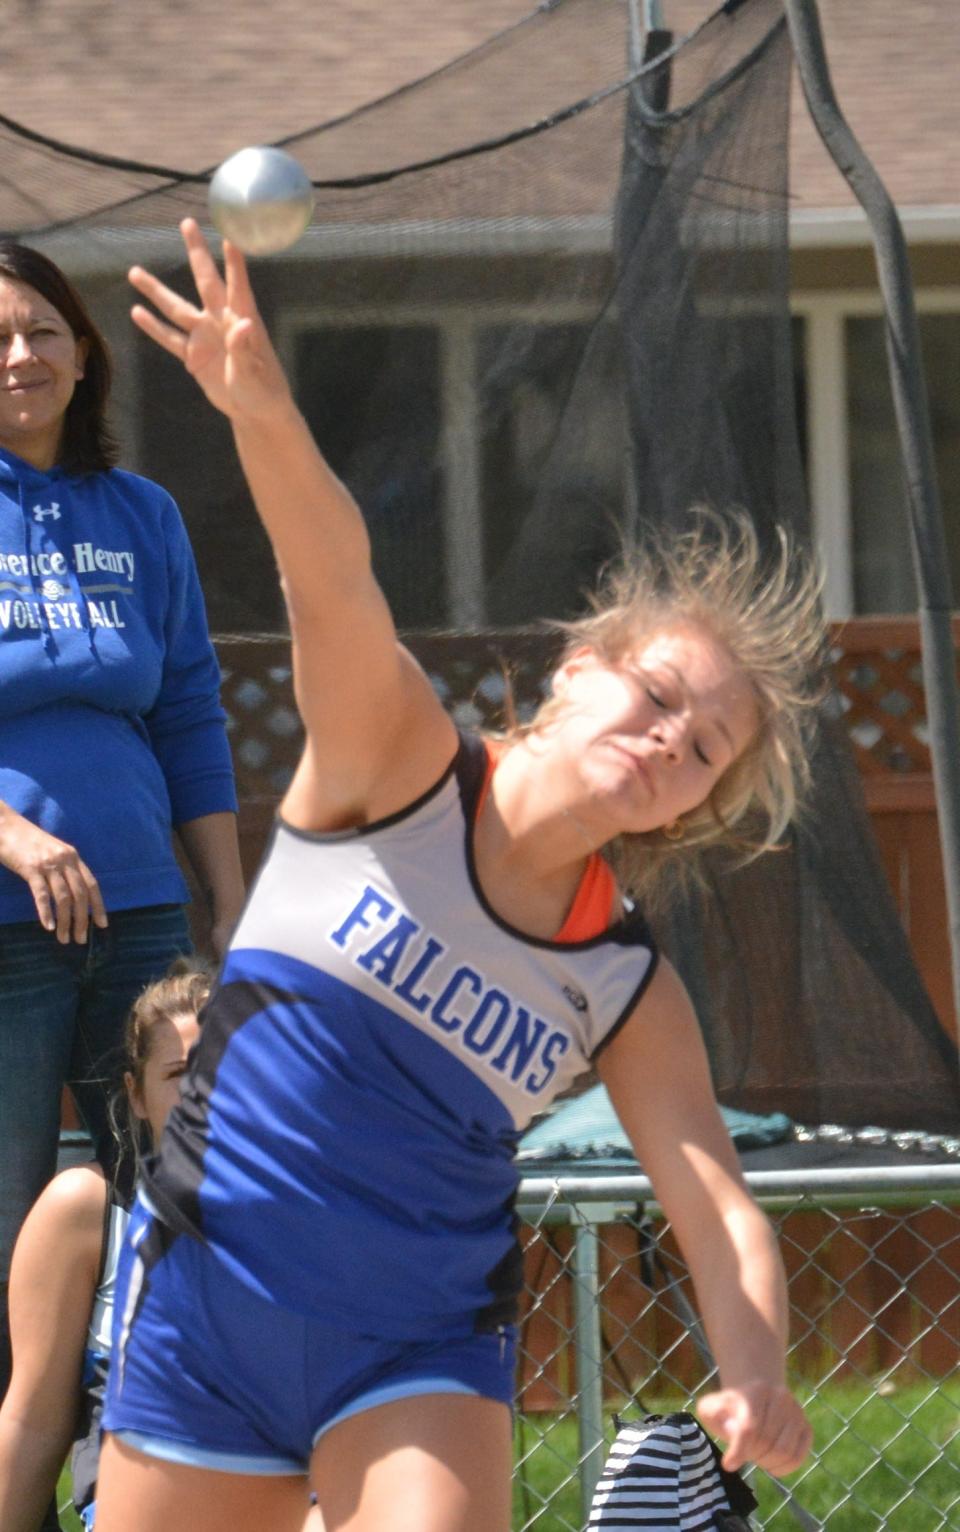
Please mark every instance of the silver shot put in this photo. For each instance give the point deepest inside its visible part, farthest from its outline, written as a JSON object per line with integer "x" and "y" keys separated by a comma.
{"x": 261, "y": 200}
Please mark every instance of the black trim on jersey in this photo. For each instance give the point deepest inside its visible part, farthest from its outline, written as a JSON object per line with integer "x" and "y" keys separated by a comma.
{"x": 505, "y": 1281}
{"x": 360, "y": 832}
{"x": 158, "y": 1239}
{"x": 631, "y": 930}
{"x": 631, "y": 1004}
{"x": 172, "y": 1181}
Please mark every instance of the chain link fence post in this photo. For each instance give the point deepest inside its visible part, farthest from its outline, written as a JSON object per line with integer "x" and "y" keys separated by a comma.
{"x": 588, "y": 1349}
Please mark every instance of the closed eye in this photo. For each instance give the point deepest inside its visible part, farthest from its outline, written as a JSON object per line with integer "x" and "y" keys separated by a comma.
{"x": 701, "y": 755}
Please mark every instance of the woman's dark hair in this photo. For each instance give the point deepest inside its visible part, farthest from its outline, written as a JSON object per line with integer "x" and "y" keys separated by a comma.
{"x": 88, "y": 444}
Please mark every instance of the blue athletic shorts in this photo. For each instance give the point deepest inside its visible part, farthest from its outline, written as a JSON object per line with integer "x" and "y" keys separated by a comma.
{"x": 207, "y": 1372}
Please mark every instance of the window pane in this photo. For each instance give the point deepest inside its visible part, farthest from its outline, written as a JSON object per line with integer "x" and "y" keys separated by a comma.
{"x": 553, "y": 460}
{"x": 372, "y": 399}
{"x": 883, "y": 565}
{"x": 197, "y": 462}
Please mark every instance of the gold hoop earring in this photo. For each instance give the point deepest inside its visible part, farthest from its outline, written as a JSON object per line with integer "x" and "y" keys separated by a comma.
{"x": 675, "y": 830}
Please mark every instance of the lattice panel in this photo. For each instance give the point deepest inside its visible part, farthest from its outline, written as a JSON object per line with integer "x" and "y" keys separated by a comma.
{"x": 876, "y": 668}
{"x": 468, "y": 672}
{"x": 881, "y": 697}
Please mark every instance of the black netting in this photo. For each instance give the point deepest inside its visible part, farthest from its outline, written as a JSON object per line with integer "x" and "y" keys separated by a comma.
{"x": 544, "y": 302}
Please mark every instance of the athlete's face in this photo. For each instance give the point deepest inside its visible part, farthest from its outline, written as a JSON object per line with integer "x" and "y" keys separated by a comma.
{"x": 41, "y": 362}
{"x": 170, "y": 1042}
{"x": 651, "y": 736}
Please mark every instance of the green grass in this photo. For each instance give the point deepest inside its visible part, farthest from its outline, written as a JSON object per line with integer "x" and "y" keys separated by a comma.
{"x": 889, "y": 1461}
{"x": 69, "y": 1521}
{"x": 913, "y": 1487}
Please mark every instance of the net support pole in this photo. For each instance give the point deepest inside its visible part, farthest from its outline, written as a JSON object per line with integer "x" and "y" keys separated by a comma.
{"x": 927, "y": 538}
{"x": 588, "y": 1354}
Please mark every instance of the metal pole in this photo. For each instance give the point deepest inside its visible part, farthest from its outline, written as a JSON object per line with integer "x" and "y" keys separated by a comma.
{"x": 927, "y": 539}
{"x": 634, "y": 36}
{"x": 589, "y": 1359}
{"x": 606, "y": 1195}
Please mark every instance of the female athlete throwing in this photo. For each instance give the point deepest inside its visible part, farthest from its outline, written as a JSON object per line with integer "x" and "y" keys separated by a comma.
{"x": 321, "y": 1274}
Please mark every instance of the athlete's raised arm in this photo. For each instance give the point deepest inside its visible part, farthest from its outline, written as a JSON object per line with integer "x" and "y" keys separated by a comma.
{"x": 376, "y": 733}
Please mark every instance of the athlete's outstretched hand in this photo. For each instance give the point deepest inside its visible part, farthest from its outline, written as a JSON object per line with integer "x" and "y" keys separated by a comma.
{"x": 222, "y": 342}
{"x": 760, "y": 1424}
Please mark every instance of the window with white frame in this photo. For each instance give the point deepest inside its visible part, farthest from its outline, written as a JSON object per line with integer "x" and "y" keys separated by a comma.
{"x": 856, "y": 477}
{"x": 371, "y": 393}
{"x": 440, "y": 429}
{"x": 442, "y": 438}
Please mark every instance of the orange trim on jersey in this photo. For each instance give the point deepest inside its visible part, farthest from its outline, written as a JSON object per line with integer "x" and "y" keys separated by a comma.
{"x": 595, "y": 900}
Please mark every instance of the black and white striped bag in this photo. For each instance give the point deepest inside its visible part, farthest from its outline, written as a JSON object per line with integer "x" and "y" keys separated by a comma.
{"x": 664, "y": 1475}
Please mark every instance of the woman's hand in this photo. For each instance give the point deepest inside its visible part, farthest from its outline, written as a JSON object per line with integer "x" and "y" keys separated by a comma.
{"x": 761, "y": 1423}
{"x": 64, "y": 890}
{"x": 222, "y": 343}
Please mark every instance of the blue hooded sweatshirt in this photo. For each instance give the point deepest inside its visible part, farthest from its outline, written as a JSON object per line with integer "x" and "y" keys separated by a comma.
{"x": 111, "y": 729}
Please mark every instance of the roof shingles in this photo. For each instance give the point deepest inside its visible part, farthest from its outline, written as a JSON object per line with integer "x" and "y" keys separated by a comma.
{"x": 290, "y": 65}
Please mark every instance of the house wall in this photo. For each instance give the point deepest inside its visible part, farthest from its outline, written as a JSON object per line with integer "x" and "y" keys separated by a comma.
{"x": 850, "y": 436}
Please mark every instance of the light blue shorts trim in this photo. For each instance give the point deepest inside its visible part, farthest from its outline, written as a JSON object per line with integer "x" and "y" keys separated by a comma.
{"x": 207, "y": 1373}
{"x": 411, "y": 1388}
{"x": 169, "y": 1451}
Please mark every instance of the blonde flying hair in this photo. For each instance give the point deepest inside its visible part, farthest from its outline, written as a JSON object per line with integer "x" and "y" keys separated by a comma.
{"x": 765, "y": 611}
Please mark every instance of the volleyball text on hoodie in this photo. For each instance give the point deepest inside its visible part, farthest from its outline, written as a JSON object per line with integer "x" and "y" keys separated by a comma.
{"x": 111, "y": 728}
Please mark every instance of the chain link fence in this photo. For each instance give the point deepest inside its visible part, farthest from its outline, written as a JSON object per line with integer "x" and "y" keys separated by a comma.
{"x": 873, "y": 1264}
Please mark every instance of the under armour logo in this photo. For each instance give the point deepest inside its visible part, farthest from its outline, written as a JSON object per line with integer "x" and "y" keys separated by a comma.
{"x": 40, "y": 511}
{"x": 576, "y": 998}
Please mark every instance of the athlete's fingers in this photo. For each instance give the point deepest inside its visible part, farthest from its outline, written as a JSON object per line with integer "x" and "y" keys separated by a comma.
{"x": 209, "y": 283}
{"x": 239, "y": 292}
{"x": 760, "y": 1425}
{"x": 165, "y": 335}
{"x": 789, "y": 1449}
{"x": 733, "y": 1416}
{"x": 741, "y": 1437}
{"x": 172, "y": 306}
{"x": 240, "y": 342}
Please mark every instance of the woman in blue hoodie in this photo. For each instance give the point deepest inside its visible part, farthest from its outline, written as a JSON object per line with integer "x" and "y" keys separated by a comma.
{"x": 111, "y": 733}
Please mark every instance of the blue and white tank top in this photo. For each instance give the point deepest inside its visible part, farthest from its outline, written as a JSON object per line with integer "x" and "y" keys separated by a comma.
{"x": 378, "y": 1041}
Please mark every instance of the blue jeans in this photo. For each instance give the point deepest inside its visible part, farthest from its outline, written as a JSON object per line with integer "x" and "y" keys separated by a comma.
{"x": 62, "y": 1013}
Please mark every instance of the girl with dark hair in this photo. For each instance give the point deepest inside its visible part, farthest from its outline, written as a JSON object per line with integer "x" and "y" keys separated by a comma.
{"x": 85, "y": 443}
{"x": 111, "y": 734}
